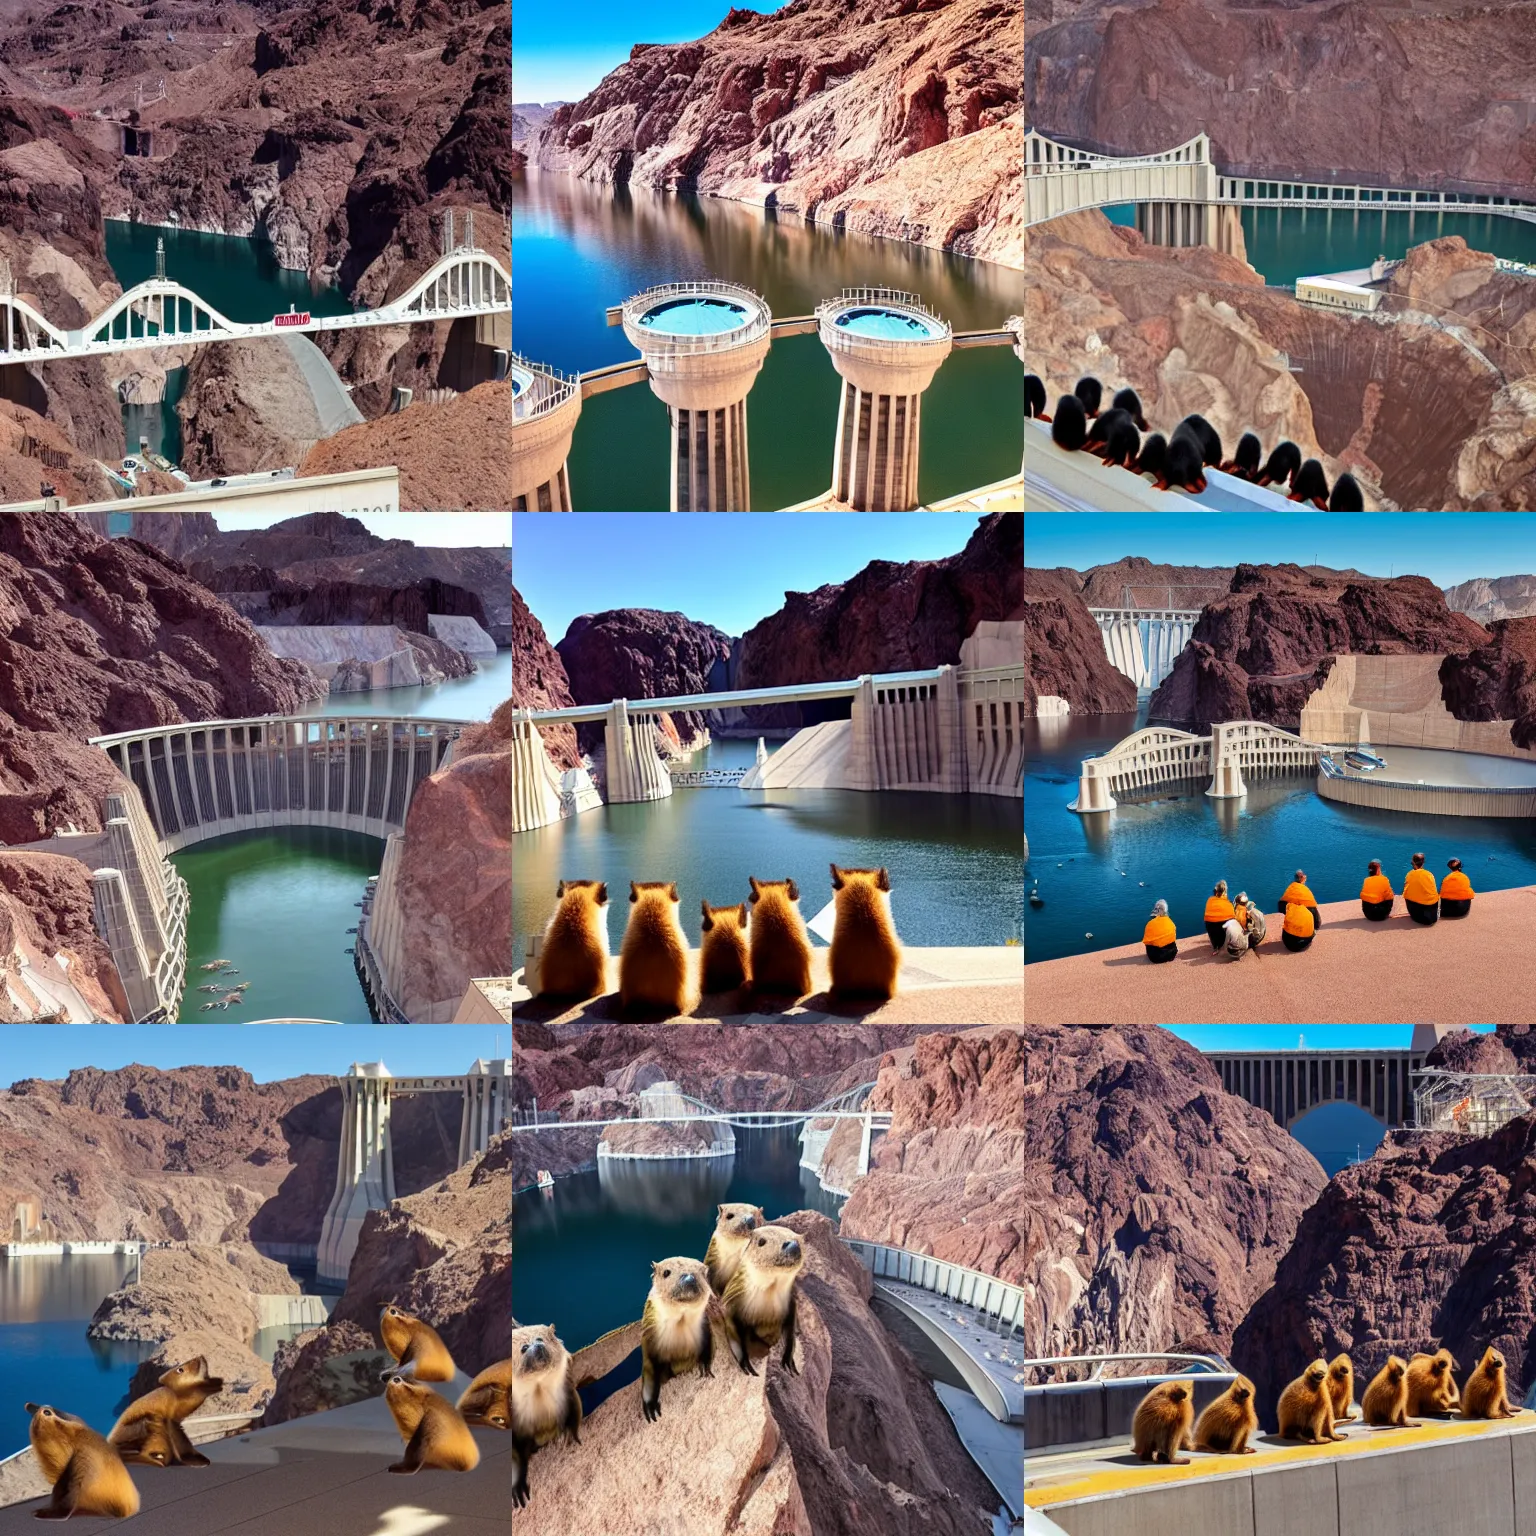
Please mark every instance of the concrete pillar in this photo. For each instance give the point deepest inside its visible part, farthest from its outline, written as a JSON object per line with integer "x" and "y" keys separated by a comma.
{"x": 1092, "y": 790}
{"x": 485, "y": 1107}
{"x": 365, "y": 1173}
{"x": 950, "y": 734}
{"x": 635, "y": 771}
{"x": 115, "y": 921}
{"x": 545, "y": 409}
{"x": 535, "y": 782}
{"x": 1226, "y": 765}
{"x": 864, "y": 769}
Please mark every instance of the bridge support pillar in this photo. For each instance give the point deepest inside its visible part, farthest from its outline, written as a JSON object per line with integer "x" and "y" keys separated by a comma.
{"x": 535, "y": 783}
{"x": 1226, "y": 765}
{"x": 1218, "y": 225}
{"x": 486, "y": 1090}
{"x": 635, "y": 769}
{"x": 1092, "y": 792}
{"x": 365, "y": 1170}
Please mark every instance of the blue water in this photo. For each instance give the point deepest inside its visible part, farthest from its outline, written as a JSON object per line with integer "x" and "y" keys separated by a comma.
{"x": 45, "y": 1304}
{"x": 694, "y": 317}
{"x": 459, "y": 698}
{"x": 1177, "y": 845}
{"x": 885, "y": 323}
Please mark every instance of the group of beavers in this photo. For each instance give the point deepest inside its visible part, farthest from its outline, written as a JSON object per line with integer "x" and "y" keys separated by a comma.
{"x": 1318, "y": 1400}
{"x": 89, "y": 1472}
{"x": 761, "y": 943}
{"x": 1180, "y": 461}
{"x": 745, "y": 1286}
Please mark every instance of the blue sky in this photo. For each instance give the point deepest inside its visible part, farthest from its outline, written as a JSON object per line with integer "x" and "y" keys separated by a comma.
{"x": 1445, "y": 547}
{"x": 266, "y": 1051}
{"x": 729, "y": 571}
{"x": 560, "y": 51}
{"x": 1286, "y": 1037}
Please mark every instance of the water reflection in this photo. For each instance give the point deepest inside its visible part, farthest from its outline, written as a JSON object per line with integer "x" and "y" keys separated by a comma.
{"x": 659, "y": 1188}
{"x": 459, "y": 698}
{"x": 49, "y": 1287}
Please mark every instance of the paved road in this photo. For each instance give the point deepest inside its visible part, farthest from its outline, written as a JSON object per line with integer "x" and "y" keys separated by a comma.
{"x": 1472, "y": 971}
{"x": 1001, "y": 1358}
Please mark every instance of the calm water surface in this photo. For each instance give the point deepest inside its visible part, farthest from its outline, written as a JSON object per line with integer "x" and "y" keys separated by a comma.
{"x": 240, "y": 278}
{"x": 954, "y": 859}
{"x": 578, "y": 248}
{"x": 1177, "y": 845}
{"x": 459, "y": 698}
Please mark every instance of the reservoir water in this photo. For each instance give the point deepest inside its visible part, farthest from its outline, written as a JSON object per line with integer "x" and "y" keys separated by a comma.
{"x": 45, "y": 1304}
{"x": 580, "y": 248}
{"x": 1287, "y": 243}
{"x": 584, "y": 1249}
{"x": 1177, "y": 843}
{"x": 953, "y": 859}
{"x": 240, "y": 278}
{"x": 459, "y": 698}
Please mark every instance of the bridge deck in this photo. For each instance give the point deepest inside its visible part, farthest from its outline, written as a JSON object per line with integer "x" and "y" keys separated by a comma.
{"x": 1471, "y": 971}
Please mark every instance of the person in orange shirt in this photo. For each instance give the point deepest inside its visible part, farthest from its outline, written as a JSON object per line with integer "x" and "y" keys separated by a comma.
{"x": 1419, "y": 893}
{"x": 1159, "y": 935}
{"x": 1217, "y": 910}
{"x": 1297, "y": 894}
{"x": 1456, "y": 891}
{"x": 1376, "y": 894}
{"x": 1299, "y": 927}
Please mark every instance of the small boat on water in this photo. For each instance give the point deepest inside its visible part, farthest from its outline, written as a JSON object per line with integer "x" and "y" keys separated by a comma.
{"x": 546, "y": 1179}
{"x": 1364, "y": 759}
{"x": 215, "y": 965}
{"x": 229, "y": 970}
{"x": 210, "y": 989}
{"x": 1331, "y": 769}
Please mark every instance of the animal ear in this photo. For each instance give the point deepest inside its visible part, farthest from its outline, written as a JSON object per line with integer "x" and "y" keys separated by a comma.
{"x": 709, "y": 921}
{"x": 672, "y": 891}
{"x": 742, "y": 912}
{"x": 634, "y": 891}
{"x": 883, "y": 879}
{"x": 602, "y": 895}
{"x": 794, "y": 890}
{"x": 32, "y": 1407}
{"x": 757, "y": 889}
{"x": 719, "y": 1210}
{"x": 837, "y": 878}
{"x": 560, "y": 889}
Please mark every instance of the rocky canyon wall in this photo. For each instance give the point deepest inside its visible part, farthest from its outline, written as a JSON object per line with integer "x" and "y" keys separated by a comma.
{"x": 1064, "y": 655}
{"x": 539, "y": 681}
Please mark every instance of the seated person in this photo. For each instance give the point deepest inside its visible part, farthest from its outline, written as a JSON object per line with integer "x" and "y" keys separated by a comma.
{"x": 1217, "y": 910}
{"x": 1299, "y": 927}
{"x": 1297, "y": 894}
{"x": 1258, "y": 927}
{"x": 1159, "y": 935}
{"x": 1456, "y": 891}
{"x": 1419, "y": 893}
{"x": 1235, "y": 937}
{"x": 1376, "y": 894}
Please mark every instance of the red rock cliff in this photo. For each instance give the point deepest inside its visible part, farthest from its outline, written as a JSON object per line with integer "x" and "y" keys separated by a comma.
{"x": 1064, "y": 653}
{"x": 539, "y": 682}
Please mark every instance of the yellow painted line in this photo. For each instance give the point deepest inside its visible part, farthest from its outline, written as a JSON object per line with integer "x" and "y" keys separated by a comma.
{"x": 1205, "y": 1464}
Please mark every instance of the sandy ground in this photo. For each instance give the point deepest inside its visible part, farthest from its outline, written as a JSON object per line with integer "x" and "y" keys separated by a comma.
{"x": 1473, "y": 970}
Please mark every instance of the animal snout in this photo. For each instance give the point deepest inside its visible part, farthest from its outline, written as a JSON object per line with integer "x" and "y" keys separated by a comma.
{"x": 792, "y": 1248}
{"x": 535, "y": 1353}
{"x": 687, "y": 1282}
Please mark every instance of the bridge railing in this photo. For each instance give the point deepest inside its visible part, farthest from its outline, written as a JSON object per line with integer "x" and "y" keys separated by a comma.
{"x": 994, "y": 1298}
{"x": 548, "y": 389}
{"x": 842, "y": 340}
{"x": 663, "y": 348}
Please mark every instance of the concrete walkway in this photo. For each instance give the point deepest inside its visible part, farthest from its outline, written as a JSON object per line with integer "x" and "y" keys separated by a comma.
{"x": 323, "y": 1475}
{"x": 1474, "y": 970}
{"x": 969, "y": 1329}
{"x": 976, "y": 985}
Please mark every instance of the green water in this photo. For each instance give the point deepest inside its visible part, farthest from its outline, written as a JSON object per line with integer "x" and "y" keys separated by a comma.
{"x": 240, "y": 278}
{"x": 278, "y": 904}
{"x": 578, "y": 248}
{"x": 955, "y": 861}
{"x": 583, "y": 1254}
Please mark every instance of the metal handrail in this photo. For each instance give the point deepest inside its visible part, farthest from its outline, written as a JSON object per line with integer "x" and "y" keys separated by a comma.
{"x": 662, "y": 350}
{"x": 550, "y": 389}
{"x": 1215, "y": 1364}
{"x": 888, "y": 298}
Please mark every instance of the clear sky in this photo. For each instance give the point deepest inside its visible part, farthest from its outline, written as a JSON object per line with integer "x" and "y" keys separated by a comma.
{"x": 432, "y": 530}
{"x": 560, "y": 51}
{"x": 1447, "y": 547}
{"x": 729, "y": 571}
{"x": 1286, "y": 1037}
{"x": 266, "y": 1051}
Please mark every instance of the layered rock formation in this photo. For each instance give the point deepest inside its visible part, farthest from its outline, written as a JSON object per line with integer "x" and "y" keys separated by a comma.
{"x": 1256, "y": 653}
{"x": 102, "y": 635}
{"x": 453, "y": 887}
{"x": 539, "y": 681}
{"x": 1139, "y": 582}
{"x": 1428, "y": 1243}
{"x": 950, "y": 1177}
{"x": 897, "y": 120}
{"x": 856, "y": 1442}
{"x": 1486, "y": 598}
{"x": 1496, "y": 681}
{"x": 640, "y": 653}
{"x": 1064, "y": 653}
{"x": 190, "y": 1155}
{"x": 1155, "y": 1205}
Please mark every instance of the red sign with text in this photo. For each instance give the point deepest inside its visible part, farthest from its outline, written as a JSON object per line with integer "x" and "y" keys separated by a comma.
{"x": 302, "y": 318}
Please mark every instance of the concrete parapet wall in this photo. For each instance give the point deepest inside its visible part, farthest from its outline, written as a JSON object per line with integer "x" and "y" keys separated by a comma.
{"x": 1429, "y": 799}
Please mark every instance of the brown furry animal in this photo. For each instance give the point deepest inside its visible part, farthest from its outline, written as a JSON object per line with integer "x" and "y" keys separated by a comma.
{"x": 734, "y": 1225}
{"x": 1227, "y": 1423}
{"x": 87, "y": 1474}
{"x": 573, "y": 958}
{"x": 866, "y": 954}
{"x": 149, "y": 1432}
{"x": 1385, "y": 1405}
{"x": 1487, "y": 1394}
{"x": 675, "y": 1332}
{"x": 1432, "y": 1385}
{"x": 420, "y": 1353}
{"x": 545, "y": 1403}
{"x": 1164, "y": 1418}
{"x": 487, "y": 1400}
{"x": 781, "y": 947}
{"x": 433, "y": 1430}
{"x": 1306, "y": 1407}
{"x": 653, "y": 964}
{"x": 1341, "y": 1387}
{"x": 759, "y": 1301}
{"x": 724, "y": 955}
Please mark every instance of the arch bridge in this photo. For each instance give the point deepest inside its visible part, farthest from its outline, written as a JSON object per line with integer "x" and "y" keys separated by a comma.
{"x": 1161, "y": 755}
{"x": 1183, "y": 198}
{"x": 159, "y": 311}
{"x": 365, "y": 1168}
